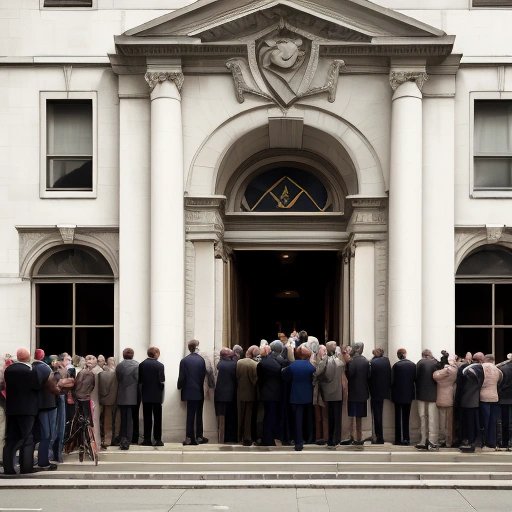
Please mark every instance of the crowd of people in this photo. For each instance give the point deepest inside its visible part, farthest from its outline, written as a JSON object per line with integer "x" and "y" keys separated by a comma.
{"x": 41, "y": 395}
{"x": 298, "y": 386}
{"x": 289, "y": 392}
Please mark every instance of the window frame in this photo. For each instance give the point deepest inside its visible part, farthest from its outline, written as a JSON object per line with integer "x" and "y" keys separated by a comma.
{"x": 493, "y": 281}
{"x": 44, "y": 191}
{"x": 491, "y": 4}
{"x": 43, "y": 7}
{"x": 476, "y": 96}
{"x": 73, "y": 326}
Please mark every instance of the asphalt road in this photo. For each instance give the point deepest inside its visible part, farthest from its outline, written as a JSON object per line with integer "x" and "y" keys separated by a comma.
{"x": 255, "y": 500}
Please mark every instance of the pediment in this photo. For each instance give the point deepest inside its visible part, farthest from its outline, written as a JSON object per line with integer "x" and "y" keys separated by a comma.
{"x": 218, "y": 21}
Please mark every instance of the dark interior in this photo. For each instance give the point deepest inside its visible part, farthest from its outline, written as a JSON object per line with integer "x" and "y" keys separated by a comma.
{"x": 282, "y": 291}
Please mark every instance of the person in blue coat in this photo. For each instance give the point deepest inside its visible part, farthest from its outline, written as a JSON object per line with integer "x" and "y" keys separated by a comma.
{"x": 402, "y": 394}
{"x": 191, "y": 383}
{"x": 300, "y": 375}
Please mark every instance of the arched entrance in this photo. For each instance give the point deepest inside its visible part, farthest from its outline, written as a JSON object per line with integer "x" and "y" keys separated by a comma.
{"x": 294, "y": 211}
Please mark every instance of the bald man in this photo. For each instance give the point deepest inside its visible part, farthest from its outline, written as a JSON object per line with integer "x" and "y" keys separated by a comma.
{"x": 21, "y": 410}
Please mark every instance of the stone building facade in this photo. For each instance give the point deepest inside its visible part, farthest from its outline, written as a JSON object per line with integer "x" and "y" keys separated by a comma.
{"x": 227, "y": 170}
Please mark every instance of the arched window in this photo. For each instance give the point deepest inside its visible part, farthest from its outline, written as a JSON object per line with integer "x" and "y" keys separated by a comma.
{"x": 286, "y": 189}
{"x": 74, "y": 304}
{"x": 483, "y": 299}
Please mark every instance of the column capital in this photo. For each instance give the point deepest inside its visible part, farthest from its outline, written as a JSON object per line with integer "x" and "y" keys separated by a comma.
{"x": 397, "y": 78}
{"x": 153, "y": 78}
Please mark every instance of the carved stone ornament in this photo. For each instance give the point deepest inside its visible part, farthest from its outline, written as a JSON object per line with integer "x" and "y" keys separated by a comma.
{"x": 157, "y": 77}
{"x": 282, "y": 67}
{"x": 67, "y": 232}
{"x": 494, "y": 233}
{"x": 397, "y": 78}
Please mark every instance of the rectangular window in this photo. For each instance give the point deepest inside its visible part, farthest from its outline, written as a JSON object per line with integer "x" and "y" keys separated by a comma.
{"x": 67, "y": 3}
{"x": 492, "y": 145}
{"x": 68, "y": 145}
{"x": 492, "y": 3}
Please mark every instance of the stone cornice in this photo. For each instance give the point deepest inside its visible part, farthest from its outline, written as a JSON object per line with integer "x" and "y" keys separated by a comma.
{"x": 204, "y": 218}
{"x": 153, "y": 78}
{"x": 397, "y": 78}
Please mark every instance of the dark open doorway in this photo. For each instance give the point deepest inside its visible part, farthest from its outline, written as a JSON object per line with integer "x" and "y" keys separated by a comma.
{"x": 282, "y": 291}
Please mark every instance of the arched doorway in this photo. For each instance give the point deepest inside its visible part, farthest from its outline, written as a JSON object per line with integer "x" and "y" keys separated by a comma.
{"x": 483, "y": 294}
{"x": 74, "y": 302}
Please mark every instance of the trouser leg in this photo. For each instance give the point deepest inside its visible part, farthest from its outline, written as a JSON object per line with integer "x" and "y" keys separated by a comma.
{"x": 26, "y": 426}
{"x": 377, "y": 408}
{"x": 398, "y": 424}
{"x": 199, "y": 419}
{"x": 422, "y": 412}
{"x": 157, "y": 422}
{"x": 298, "y": 410}
{"x": 191, "y": 414}
{"x": 433, "y": 423}
{"x": 147, "y": 414}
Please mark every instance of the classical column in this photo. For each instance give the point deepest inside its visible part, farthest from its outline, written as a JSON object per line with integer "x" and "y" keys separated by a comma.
{"x": 364, "y": 295}
{"x": 438, "y": 320}
{"x": 167, "y": 274}
{"x": 405, "y": 214}
{"x": 134, "y": 216}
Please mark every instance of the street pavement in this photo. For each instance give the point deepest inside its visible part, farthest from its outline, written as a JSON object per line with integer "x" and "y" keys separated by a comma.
{"x": 254, "y": 500}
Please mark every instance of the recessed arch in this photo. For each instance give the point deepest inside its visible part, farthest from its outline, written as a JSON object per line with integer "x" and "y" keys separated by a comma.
{"x": 237, "y": 139}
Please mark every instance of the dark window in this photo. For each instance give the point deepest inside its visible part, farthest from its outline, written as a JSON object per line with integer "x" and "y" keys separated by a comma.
{"x": 286, "y": 189}
{"x": 492, "y": 143}
{"x": 69, "y": 141}
{"x": 492, "y": 3}
{"x": 68, "y": 3}
{"x": 483, "y": 303}
{"x": 75, "y": 315}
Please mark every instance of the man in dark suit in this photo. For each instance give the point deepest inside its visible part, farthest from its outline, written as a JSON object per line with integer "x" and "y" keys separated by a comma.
{"x": 127, "y": 374}
{"x": 402, "y": 395}
{"x": 21, "y": 407}
{"x": 151, "y": 380}
{"x": 225, "y": 397}
{"x": 380, "y": 390}
{"x": 191, "y": 383}
{"x": 271, "y": 390}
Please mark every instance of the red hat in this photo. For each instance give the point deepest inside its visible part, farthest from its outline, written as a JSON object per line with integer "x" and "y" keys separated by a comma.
{"x": 39, "y": 354}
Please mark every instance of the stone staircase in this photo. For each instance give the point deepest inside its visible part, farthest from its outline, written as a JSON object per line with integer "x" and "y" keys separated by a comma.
{"x": 234, "y": 466}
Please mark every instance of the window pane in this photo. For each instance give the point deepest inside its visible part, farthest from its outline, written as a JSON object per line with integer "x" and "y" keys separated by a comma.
{"x": 54, "y": 304}
{"x": 492, "y": 132}
{"x": 94, "y": 304}
{"x": 489, "y": 260}
{"x": 473, "y": 304}
{"x": 492, "y": 3}
{"x": 503, "y": 304}
{"x": 54, "y": 340}
{"x": 69, "y": 127}
{"x": 473, "y": 340}
{"x": 75, "y": 262}
{"x": 68, "y": 3}
{"x": 493, "y": 173}
{"x": 502, "y": 344}
{"x": 69, "y": 173}
{"x": 94, "y": 340}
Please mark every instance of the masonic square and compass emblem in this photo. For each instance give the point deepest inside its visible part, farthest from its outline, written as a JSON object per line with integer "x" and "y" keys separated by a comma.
{"x": 282, "y": 66}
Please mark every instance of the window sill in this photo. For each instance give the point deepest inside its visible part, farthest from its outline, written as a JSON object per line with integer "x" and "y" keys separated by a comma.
{"x": 68, "y": 194}
{"x": 490, "y": 194}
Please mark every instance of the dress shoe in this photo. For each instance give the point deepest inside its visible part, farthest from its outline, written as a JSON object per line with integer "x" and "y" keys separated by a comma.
{"x": 346, "y": 442}
{"x": 298, "y": 447}
{"x": 378, "y": 441}
{"x": 124, "y": 446}
{"x": 246, "y": 442}
{"x": 146, "y": 443}
{"x": 406, "y": 443}
{"x": 158, "y": 443}
{"x": 432, "y": 447}
{"x": 467, "y": 448}
{"x": 420, "y": 446}
{"x": 320, "y": 442}
{"x": 50, "y": 467}
{"x": 189, "y": 442}
{"x": 357, "y": 443}
{"x": 202, "y": 440}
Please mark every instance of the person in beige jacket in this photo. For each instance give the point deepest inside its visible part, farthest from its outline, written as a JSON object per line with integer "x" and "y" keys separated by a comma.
{"x": 246, "y": 375}
{"x": 489, "y": 408}
{"x": 445, "y": 379}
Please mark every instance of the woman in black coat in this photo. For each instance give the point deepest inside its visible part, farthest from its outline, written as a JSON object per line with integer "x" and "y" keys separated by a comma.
{"x": 225, "y": 397}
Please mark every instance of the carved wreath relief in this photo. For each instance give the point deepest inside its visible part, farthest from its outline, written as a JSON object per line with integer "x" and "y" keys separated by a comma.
{"x": 282, "y": 67}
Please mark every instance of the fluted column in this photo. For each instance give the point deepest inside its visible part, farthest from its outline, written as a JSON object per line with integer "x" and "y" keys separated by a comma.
{"x": 167, "y": 246}
{"x": 405, "y": 214}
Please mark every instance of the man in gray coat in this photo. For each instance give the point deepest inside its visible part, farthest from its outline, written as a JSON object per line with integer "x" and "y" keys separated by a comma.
{"x": 127, "y": 373}
{"x": 329, "y": 374}
{"x": 107, "y": 383}
{"x": 426, "y": 394}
